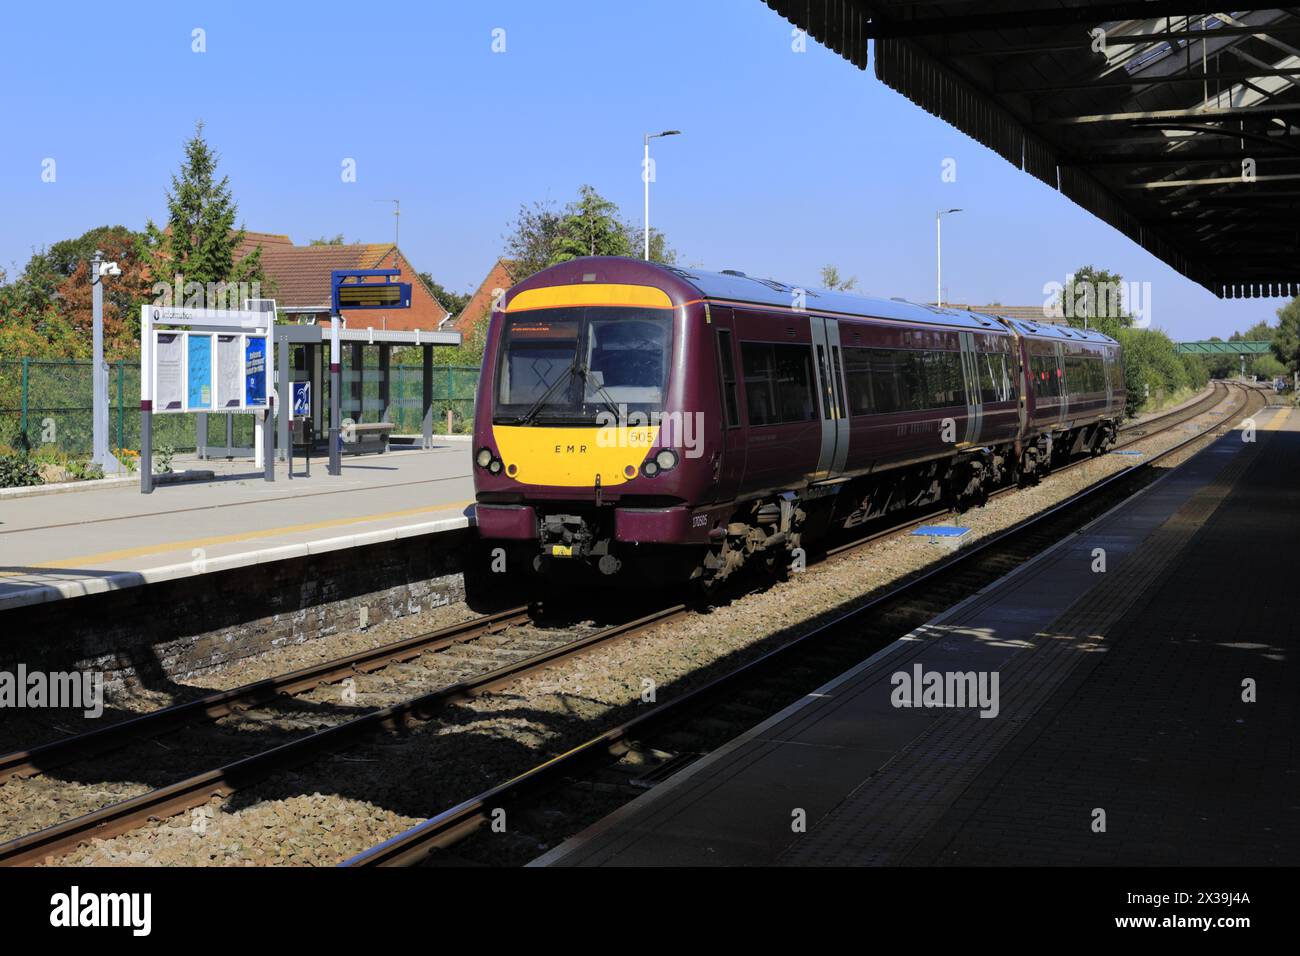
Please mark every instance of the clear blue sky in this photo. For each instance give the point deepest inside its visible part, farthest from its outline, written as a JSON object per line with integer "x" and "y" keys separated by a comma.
{"x": 788, "y": 161}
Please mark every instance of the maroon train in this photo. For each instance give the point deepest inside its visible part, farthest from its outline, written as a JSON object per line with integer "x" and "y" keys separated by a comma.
{"x": 663, "y": 422}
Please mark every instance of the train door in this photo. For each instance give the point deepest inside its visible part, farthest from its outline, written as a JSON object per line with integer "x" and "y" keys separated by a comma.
{"x": 1107, "y": 366}
{"x": 728, "y": 458}
{"x": 1063, "y": 384}
{"x": 970, "y": 373}
{"x": 828, "y": 363}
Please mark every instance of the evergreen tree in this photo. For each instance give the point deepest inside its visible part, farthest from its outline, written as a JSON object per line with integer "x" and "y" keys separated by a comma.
{"x": 201, "y": 239}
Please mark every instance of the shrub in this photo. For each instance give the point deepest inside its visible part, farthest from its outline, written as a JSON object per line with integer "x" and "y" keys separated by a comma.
{"x": 17, "y": 471}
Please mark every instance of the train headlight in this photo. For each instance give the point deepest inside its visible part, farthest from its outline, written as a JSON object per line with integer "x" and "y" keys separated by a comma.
{"x": 666, "y": 459}
{"x": 494, "y": 466}
{"x": 650, "y": 469}
{"x": 484, "y": 457}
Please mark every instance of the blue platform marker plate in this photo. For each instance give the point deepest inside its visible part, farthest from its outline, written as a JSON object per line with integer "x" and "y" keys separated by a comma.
{"x": 940, "y": 531}
{"x": 1125, "y": 452}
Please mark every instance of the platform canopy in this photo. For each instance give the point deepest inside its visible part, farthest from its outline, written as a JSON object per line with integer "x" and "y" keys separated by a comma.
{"x": 1175, "y": 122}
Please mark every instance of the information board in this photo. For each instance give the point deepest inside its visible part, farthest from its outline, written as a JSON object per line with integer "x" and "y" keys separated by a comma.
{"x": 230, "y": 371}
{"x": 198, "y": 371}
{"x": 255, "y": 371}
{"x": 167, "y": 372}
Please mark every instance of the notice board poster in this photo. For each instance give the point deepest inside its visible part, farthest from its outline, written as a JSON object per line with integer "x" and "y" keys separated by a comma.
{"x": 255, "y": 371}
{"x": 198, "y": 356}
{"x": 230, "y": 371}
{"x": 167, "y": 372}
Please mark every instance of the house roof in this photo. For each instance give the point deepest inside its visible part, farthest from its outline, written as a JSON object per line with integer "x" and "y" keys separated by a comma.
{"x": 1026, "y": 313}
{"x": 302, "y": 273}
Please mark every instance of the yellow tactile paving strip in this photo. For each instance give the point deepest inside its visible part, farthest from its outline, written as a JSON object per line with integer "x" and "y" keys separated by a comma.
{"x": 261, "y": 533}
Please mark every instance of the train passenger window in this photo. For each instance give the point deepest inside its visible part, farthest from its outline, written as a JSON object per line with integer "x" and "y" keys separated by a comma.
{"x": 994, "y": 382}
{"x": 881, "y": 381}
{"x": 944, "y": 386}
{"x": 1045, "y": 375}
{"x": 778, "y": 383}
{"x": 857, "y": 373}
{"x": 727, "y": 365}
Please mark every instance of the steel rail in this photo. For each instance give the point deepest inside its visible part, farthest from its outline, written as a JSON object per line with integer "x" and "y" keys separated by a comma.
{"x": 23, "y": 763}
{"x": 196, "y": 790}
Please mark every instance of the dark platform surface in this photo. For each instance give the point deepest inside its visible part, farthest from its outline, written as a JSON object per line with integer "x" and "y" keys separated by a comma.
{"x": 1119, "y": 693}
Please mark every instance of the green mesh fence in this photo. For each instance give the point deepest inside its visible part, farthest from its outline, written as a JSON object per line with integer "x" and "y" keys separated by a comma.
{"x": 50, "y": 403}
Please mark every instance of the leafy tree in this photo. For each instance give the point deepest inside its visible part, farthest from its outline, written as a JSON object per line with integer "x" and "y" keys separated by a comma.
{"x": 533, "y": 237}
{"x": 1286, "y": 337}
{"x": 591, "y": 225}
{"x": 453, "y": 302}
{"x": 1091, "y": 299}
{"x": 831, "y": 280}
{"x": 322, "y": 241}
{"x": 200, "y": 240}
{"x": 46, "y": 311}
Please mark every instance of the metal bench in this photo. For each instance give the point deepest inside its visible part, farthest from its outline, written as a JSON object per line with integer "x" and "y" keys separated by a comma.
{"x": 365, "y": 437}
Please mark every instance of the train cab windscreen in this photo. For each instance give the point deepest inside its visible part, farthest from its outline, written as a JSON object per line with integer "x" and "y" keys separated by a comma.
{"x": 567, "y": 365}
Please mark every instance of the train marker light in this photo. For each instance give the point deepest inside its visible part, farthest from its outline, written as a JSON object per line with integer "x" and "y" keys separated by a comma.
{"x": 484, "y": 457}
{"x": 495, "y": 466}
{"x": 650, "y": 469}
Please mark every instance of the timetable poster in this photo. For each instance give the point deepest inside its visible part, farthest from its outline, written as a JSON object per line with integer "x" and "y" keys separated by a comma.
{"x": 167, "y": 372}
{"x": 199, "y": 368}
{"x": 255, "y": 372}
{"x": 230, "y": 369}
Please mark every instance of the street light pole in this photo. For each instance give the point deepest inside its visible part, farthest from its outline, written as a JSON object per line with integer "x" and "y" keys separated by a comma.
{"x": 645, "y": 178}
{"x": 938, "y": 253}
{"x": 100, "y": 455}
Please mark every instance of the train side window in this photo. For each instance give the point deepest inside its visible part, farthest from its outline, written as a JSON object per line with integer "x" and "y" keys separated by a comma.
{"x": 857, "y": 375}
{"x": 993, "y": 381}
{"x": 795, "y": 383}
{"x": 727, "y": 367}
{"x": 943, "y": 380}
{"x": 778, "y": 383}
{"x": 1046, "y": 376}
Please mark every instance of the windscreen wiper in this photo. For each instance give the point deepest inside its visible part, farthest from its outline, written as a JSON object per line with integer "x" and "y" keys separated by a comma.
{"x": 599, "y": 389}
{"x": 526, "y": 417}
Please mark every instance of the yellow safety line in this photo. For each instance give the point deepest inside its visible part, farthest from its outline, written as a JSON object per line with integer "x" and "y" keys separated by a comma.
{"x": 1277, "y": 420}
{"x": 242, "y": 536}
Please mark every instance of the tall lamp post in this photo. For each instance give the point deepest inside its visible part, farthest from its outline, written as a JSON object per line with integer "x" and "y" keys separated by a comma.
{"x": 645, "y": 178}
{"x": 100, "y": 455}
{"x": 938, "y": 252}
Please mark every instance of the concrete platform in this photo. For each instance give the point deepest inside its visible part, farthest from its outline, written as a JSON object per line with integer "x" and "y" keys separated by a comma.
{"x": 54, "y": 547}
{"x": 1119, "y": 733}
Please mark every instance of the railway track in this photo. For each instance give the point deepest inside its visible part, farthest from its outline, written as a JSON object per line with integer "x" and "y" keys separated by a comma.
{"x": 670, "y": 735}
{"x": 196, "y": 789}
